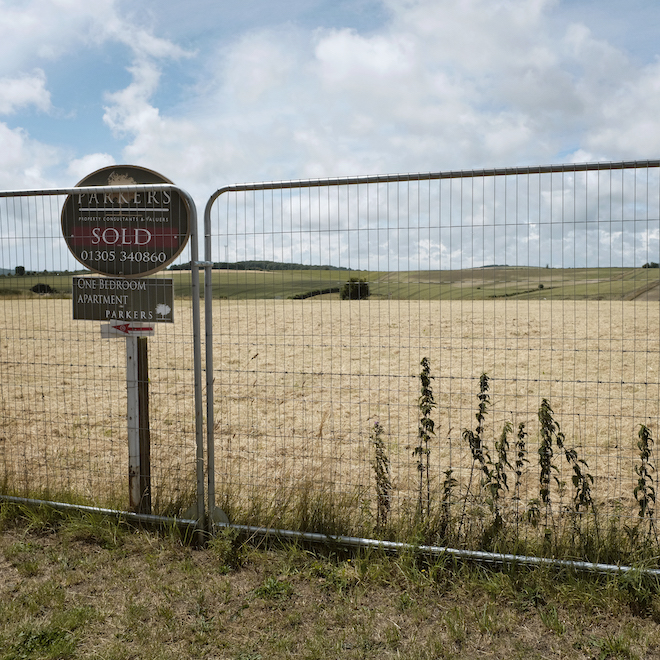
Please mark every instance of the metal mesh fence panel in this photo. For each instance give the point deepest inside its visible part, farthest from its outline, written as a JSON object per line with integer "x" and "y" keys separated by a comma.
{"x": 63, "y": 388}
{"x": 533, "y": 294}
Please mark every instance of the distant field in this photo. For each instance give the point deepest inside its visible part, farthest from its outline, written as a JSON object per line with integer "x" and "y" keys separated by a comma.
{"x": 468, "y": 284}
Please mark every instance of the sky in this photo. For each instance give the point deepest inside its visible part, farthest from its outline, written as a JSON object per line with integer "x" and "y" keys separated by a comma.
{"x": 214, "y": 92}
{"x": 211, "y": 92}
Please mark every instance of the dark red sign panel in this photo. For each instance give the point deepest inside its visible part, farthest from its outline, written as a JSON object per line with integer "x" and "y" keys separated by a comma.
{"x": 125, "y": 234}
{"x": 104, "y": 237}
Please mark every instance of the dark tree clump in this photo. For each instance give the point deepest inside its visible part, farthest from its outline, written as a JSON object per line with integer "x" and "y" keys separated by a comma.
{"x": 355, "y": 289}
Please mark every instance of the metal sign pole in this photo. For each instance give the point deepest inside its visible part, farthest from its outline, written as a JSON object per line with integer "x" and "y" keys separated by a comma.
{"x": 133, "y": 417}
{"x": 139, "y": 435}
{"x": 144, "y": 426}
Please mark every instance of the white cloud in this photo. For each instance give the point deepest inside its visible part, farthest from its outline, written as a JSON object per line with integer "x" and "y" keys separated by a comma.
{"x": 345, "y": 57}
{"x": 38, "y": 37}
{"x": 443, "y": 85}
{"x": 79, "y": 168}
{"x": 38, "y": 30}
{"x": 24, "y": 163}
{"x": 129, "y": 109}
{"x": 258, "y": 64}
{"x": 629, "y": 118}
{"x": 35, "y": 30}
{"x": 22, "y": 91}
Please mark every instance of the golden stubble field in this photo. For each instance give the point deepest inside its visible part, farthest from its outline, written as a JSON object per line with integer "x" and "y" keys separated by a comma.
{"x": 298, "y": 386}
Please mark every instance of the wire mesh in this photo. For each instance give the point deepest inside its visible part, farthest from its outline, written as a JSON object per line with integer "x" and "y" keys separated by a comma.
{"x": 63, "y": 408}
{"x": 533, "y": 293}
{"x": 533, "y": 296}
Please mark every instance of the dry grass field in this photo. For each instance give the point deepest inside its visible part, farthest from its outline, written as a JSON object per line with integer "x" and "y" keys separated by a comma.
{"x": 63, "y": 406}
{"x": 297, "y": 396}
{"x": 298, "y": 386}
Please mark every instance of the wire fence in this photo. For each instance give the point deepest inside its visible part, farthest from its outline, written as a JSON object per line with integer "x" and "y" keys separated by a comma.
{"x": 470, "y": 354}
{"x": 63, "y": 388}
{"x": 533, "y": 294}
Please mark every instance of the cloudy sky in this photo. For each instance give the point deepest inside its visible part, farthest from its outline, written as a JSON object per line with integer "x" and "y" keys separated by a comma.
{"x": 211, "y": 92}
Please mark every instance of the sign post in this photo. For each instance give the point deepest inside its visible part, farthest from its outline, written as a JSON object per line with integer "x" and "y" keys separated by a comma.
{"x": 124, "y": 235}
{"x": 139, "y": 434}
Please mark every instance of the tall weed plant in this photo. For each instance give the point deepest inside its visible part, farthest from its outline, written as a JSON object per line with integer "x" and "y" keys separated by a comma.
{"x": 488, "y": 510}
{"x": 528, "y": 491}
{"x": 426, "y": 432}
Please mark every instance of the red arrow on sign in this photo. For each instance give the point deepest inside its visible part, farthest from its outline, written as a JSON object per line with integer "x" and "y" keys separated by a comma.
{"x": 126, "y": 328}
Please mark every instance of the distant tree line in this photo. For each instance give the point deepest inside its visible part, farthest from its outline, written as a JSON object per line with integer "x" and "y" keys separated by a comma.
{"x": 354, "y": 289}
{"x": 258, "y": 265}
{"x": 20, "y": 271}
{"x": 651, "y": 264}
{"x": 315, "y": 292}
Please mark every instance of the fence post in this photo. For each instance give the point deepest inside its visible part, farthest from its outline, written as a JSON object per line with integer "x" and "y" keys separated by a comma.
{"x": 133, "y": 423}
{"x": 145, "y": 427}
{"x": 139, "y": 436}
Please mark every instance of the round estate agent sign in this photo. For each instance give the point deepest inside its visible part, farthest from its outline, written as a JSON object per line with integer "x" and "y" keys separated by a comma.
{"x": 125, "y": 234}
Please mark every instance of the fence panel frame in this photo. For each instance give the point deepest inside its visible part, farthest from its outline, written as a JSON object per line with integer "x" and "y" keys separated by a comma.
{"x": 200, "y": 517}
{"x": 350, "y": 181}
{"x": 206, "y": 509}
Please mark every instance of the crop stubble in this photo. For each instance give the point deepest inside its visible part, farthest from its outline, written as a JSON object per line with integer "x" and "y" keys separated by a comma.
{"x": 299, "y": 384}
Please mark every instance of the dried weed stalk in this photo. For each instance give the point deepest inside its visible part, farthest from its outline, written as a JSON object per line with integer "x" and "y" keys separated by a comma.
{"x": 645, "y": 491}
{"x": 426, "y": 431}
{"x": 381, "y": 467}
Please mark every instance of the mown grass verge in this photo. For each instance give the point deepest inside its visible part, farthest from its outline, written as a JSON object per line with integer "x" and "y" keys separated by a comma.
{"x": 75, "y": 586}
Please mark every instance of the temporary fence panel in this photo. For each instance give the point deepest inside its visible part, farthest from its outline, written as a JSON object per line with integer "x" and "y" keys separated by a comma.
{"x": 63, "y": 388}
{"x": 529, "y": 298}
{"x": 500, "y": 377}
